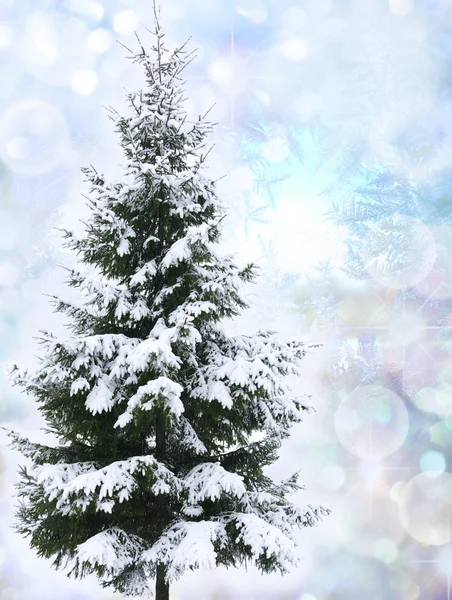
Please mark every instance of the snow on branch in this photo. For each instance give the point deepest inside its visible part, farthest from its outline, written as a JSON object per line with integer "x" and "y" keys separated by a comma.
{"x": 254, "y": 368}
{"x": 103, "y": 292}
{"x": 77, "y": 486}
{"x": 208, "y": 481}
{"x": 189, "y": 438}
{"x": 161, "y": 388}
{"x": 149, "y": 269}
{"x": 187, "y": 545}
{"x": 101, "y": 397}
{"x": 266, "y": 539}
{"x": 156, "y": 350}
{"x": 113, "y": 549}
{"x": 182, "y": 248}
{"x": 38, "y": 453}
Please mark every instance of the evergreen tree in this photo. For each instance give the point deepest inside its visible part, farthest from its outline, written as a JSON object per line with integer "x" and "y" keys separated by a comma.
{"x": 156, "y": 408}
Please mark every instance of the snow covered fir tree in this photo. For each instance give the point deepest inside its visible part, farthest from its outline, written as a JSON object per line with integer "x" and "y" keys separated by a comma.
{"x": 156, "y": 408}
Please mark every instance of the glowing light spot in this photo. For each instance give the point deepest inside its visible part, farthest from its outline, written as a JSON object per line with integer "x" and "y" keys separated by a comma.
{"x": 401, "y": 7}
{"x": 298, "y": 223}
{"x": 126, "y": 22}
{"x": 295, "y": 49}
{"x": 399, "y": 251}
{"x": 294, "y": 18}
{"x": 254, "y": 10}
{"x": 438, "y": 283}
{"x": 84, "y": 82}
{"x": 229, "y": 74}
{"x": 18, "y": 148}
{"x": 9, "y": 274}
{"x": 425, "y": 508}
{"x": 357, "y": 526}
{"x": 371, "y": 422}
{"x": 222, "y": 71}
{"x": 371, "y": 472}
{"x": 96, "y": 10}
{"x": 440, "y": 434}
{"x": 396, "y": 490}
{"x": 41, "y": 41}
{"x": 432, "y": 462}
{"x": 332, "y": 477}
{"x": 307, "y": 597}
{"x": 8, "y": 232}
{"x": 100, "y": 40}
{"x": 386, "y": 550}
{"x": 444, "y": 560}
{"x": 6, "y": 35}
{"x": 393, "y": 357}
{"x": 435, "y": 400}
{"x": 263, "y": 97}
{"x": 33, "y": 137}
{"x": 407, "y": 328}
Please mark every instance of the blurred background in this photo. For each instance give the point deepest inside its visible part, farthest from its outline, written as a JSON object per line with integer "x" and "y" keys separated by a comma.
{"x": 335, "y": 133}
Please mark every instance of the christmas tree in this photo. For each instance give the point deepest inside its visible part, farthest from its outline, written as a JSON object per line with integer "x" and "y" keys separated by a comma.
{"x": 165, "y": 422}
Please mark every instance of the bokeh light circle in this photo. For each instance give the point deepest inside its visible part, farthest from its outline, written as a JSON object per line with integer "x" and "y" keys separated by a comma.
{"x": 433, "y": 462}
{"x": 386, "y": 550}
{"x": 436, "y": 400}
{"x": 84, "y": 82}
{"x": 126, "y": 22}
{"x": 332, "y": 477}
{"x": 426, "y": 508}
{"x": 254, "y": 10}
{"x": 368, "y": 522}
{"x": 52, "y": 50}
{"x": 100, "y": 40}
{"x": 399, "y": 251}
{"x": 229, "y": 74}
{"x": 401, "y": 7}
{"x": 294, "y": 18}
{"x": 34, "y": 137}
{"x": 295, "y": 49}
{"x": 401, "y": 141}
{"x": 372, "y": 422}
{"x": 444, "y": 560}
{"x": 438, "y": 283}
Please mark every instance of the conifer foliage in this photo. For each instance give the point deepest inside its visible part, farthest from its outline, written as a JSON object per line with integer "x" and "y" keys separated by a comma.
{"x": 155, "y": 406}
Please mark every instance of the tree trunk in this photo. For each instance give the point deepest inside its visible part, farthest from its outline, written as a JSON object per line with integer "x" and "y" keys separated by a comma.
{"x": 161, "y": 586}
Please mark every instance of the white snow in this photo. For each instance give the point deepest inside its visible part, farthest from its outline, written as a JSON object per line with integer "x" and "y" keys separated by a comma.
{"x": 101, "y": 398}
{"x": 163, "y": 388}
{"x": 178, "y": 252}
{"x": 79, "y": 384}
{"x": 210, "y": 481}
{"x": 112, "y": 548}
{"x": 187, "y": 545}
{"x": 147, "y": 270}
{"x": 78, "y": 485}
{"x": 189, "y": 438}
{"x": 182, "y": 249}
{"x": 266, "y": 539}
{"x": 158, "y": 351}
